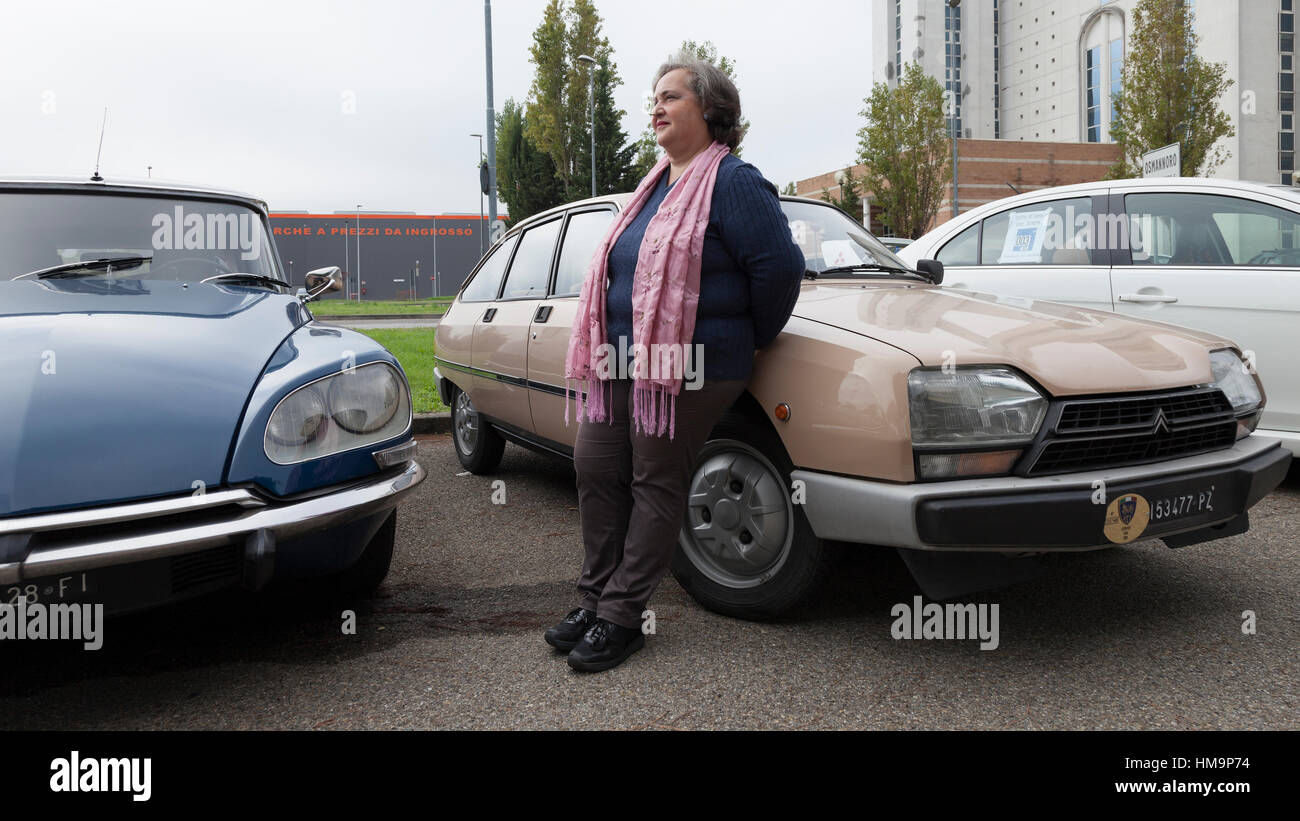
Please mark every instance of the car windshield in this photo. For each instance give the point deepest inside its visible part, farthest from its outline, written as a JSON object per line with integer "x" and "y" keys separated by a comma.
{"x": 185, "y": 240}
{"x": 832, "y": 242}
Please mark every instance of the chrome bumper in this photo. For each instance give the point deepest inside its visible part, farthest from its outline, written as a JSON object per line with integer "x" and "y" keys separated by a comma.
{"x": 283, "y": 521}
{"x": 881, "y": 513}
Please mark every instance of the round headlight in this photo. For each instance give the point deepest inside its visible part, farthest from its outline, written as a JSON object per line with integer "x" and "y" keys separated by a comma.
{"x": 298, "y": 420}
{"x": 364, "y": 399}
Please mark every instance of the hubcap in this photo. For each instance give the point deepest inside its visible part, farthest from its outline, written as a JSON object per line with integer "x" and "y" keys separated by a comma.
{"x": 739, "y": 518}
{"x": 466, "y": 423}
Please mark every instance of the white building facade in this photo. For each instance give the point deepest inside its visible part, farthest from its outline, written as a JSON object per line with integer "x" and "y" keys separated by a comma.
{"x": 1045, "y": 71}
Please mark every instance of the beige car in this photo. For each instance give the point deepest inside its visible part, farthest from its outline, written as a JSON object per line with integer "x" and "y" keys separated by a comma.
{"x": 968, "y": 431}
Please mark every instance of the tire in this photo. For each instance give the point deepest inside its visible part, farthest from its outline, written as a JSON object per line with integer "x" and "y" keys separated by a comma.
{"x": 478, "y": 446}
{"x": 371, "y": 568}
{"x": 745, "y": 549}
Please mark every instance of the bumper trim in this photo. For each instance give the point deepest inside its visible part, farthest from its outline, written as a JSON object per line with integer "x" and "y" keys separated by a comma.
{"x": 881, "y": 513}
{"x": 283, "y": 522}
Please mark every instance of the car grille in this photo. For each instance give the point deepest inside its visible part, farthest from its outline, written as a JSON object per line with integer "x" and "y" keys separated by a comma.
{"x": 1110, "y": 432}
{"x": 216, "y": 567}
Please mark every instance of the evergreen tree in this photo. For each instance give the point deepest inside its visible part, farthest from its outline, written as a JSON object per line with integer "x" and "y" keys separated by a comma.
{"x": 1168, "y": 94}
{"x": 526, "y": 178}
{"x": 615, "y": 172}
{"x": 850, "y": 198}
{"x": 788, "y": 190}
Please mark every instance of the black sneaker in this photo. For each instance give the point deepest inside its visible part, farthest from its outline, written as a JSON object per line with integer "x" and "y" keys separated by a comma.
{"x": 604, "y": 646}
{"x": 566, "y": 635}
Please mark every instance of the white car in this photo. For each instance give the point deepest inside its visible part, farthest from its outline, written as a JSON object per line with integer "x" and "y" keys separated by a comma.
{"x": 1216, "y": 255}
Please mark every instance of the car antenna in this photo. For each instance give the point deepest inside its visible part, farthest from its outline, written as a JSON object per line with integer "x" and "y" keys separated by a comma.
{"x": 95, "y": 177}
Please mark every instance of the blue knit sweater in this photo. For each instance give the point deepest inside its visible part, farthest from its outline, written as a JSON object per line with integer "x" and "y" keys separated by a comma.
{"x": 749, "y": 275}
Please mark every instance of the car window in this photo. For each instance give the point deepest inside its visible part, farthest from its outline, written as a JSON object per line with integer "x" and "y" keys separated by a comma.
{"x": 584, "y": 233}
{"x": 962, "y": 249}
{"x": 488, "y": 279}
{"x": 1208, "y": 229}
{"x": 1058, "y": 232}
{"x": 532, "y": 266}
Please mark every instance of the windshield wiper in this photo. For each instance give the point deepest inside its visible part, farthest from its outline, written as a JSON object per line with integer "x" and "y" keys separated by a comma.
{"x": 866, "y": 266}
{"x": 240, "y": 275}
{"x": 86, "y": 266}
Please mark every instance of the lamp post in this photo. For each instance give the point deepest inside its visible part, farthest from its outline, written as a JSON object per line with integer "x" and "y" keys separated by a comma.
{"x": 482, "y": 249}
{"x": 415, "y": 280}
{"x": 358, "y": 252}
{"x": 290, "y": 272}
{"x": 347, "y": 263}
{"x": 591, "y": 108}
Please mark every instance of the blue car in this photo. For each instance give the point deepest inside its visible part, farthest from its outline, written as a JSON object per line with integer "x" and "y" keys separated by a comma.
{"x": 172, "y": 419}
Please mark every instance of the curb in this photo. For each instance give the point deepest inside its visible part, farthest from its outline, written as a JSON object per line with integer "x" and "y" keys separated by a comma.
{"x": 432, "y": 422}
{"x": 366, "y": 317}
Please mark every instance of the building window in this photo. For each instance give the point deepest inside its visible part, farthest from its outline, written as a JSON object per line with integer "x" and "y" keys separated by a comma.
{"x": 1116, "y": 72}
{"x": 1094, "y": 94}
{"x": 1286, "y": 141}
{"x": 1285, "y": 80}
{"x": 952, "y": 65}
{"x": 997, "y": 61}
{"x": 898, "y": 40}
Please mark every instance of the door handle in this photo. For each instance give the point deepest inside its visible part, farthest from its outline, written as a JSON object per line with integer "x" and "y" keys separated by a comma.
{"x": 488, "y": 314}
{"x": 1147, "y": 298}
{"x": 543, "y": 313}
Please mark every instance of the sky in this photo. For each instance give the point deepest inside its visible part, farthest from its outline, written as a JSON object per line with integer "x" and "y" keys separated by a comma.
{"x": 329, "y": 104}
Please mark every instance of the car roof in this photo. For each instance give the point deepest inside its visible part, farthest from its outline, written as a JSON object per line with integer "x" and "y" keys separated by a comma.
{"x": 131, "y": 185}
{"x": 979, "y": 212}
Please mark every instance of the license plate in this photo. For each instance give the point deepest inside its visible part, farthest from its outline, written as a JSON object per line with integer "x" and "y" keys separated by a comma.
{"x": 1189, "y": 503}
{"x": 51, "y": 589}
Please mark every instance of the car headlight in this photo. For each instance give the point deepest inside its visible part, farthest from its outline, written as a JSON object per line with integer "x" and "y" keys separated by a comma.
{"x": 1235, "y": 380}
{"x": 969, "y": 407}
{"x": 350, "y": 409}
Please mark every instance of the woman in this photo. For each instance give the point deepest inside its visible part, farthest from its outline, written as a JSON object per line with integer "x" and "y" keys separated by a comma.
{"x": 701, "y": 269}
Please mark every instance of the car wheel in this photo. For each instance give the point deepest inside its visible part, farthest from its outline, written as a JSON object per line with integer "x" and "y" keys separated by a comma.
{"x": 745, "y": 549}
{"x": 372, "y": 568}
{"x": 478, "y": 447}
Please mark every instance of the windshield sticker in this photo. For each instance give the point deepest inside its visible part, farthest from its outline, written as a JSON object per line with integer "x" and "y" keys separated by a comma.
{"x": 837, "y": 252}
{"x": 1024, "y": 241}
{"x": 219, "y": 232}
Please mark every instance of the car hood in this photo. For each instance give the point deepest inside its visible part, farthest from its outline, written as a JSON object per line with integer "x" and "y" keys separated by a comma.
{"x": 1067, "y": 350}
{"x": 121, "y": 391}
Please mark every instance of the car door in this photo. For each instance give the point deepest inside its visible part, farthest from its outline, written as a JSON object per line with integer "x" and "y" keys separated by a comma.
{"x": 1225, "y": 264}
{"x": 548, "y": 342}
{"x": 455, "y": 337}
{"x": 1045, "y": 249}
{"x": 500, "y": 348}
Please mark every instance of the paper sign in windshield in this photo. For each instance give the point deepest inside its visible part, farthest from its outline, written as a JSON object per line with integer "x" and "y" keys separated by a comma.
{"x": 1024, "y": 241}
{"x": 838, "y": 252}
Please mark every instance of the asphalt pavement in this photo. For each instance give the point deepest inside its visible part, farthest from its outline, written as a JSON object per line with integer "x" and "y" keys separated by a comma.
{"x": 1139, "y": 637}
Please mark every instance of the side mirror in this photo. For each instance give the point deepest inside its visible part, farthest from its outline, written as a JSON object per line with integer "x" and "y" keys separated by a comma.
{"x": 931, "y": 269}
{"x": 322, "y": 280}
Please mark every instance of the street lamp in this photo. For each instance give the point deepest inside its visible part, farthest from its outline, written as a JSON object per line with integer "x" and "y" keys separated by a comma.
{"x": 358, "y": 252}
{"x": 482, "y": 249}
{"x": 415, "y": 281}
{"x": 591, "y": 107}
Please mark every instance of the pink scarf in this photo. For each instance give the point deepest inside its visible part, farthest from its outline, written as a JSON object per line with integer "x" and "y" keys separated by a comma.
{"x": 665, "y": 294}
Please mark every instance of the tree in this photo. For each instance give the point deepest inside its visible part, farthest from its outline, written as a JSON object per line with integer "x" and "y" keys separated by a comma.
{"x": 615, "y": 170}
{"x": 526, "y": 178}
{"x": 788, "y": 190}
{"x": 1168, "y": 94}
{"x": 850, "y": 198}
{"x": 905, "y": 146}
{"x": 647, "y": 154}
{"x": 556, "y": 114}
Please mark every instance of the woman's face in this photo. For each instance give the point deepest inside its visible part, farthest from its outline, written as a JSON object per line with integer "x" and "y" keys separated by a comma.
{"x": 677, "y": 117}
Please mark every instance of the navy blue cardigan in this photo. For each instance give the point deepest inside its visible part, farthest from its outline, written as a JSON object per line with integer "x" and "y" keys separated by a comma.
{"x": 749, "y": 274}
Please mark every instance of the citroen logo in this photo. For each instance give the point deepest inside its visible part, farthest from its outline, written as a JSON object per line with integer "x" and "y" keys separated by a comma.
{"x": 1161, "y": 425}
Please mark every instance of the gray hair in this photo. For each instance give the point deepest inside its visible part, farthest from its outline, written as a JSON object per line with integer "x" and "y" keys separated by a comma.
{"x": 716, "y": 92}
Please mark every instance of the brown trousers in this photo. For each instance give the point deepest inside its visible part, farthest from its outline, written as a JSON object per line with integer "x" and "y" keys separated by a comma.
{"x": 632, "y": 496}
